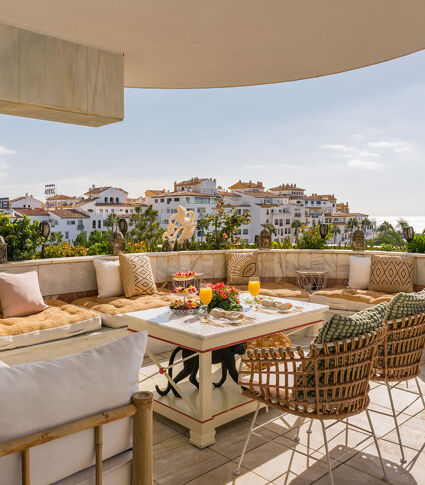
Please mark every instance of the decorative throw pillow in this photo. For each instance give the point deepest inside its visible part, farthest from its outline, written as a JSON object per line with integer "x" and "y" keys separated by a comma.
{"x": 346, "y": 326}
{"x": 20, "y": 294}
{"x": 108, "y": 277}
{"x": 337, "y": 328}
{"x": 240, "y": 267}
{"x": 136, "y": 275}
{"x": 405, "y": 304}
{"x": 391, "y": 273}
{"x": 359, "y": 272}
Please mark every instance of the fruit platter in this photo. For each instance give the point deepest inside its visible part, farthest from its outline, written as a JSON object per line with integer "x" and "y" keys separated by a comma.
{"x": 184, "y": 275}
{"x": 185, "y": 305}
{"x": 186, "y": 300}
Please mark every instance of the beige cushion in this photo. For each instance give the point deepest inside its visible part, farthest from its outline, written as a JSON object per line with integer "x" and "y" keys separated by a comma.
{"x": 136, "y": 274}
{"x": 280, "y": 290}
{"x": 391, "y": 273}
{"x": 240, "y": 267}
{"x": 38, "y": 396}
{"x": 120, "y": 305}
{"x": 351, "y": 299}
{"x": 57, "y": 314}
{"x": 359, "y": 272}
{"x": 108, "y": 277}
{"x": 20, "y": 294}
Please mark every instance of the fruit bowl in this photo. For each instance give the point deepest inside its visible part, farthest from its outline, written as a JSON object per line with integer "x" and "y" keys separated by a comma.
{"x": 184, "y": 275}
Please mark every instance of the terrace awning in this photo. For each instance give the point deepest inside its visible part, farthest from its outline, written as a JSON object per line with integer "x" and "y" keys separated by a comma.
{"x": 219, "y": 43}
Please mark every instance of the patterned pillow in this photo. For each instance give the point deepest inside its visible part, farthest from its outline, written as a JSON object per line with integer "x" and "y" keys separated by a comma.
{"x": 346, "y": 326}
{"x": 391, "y": 273}
{"x": 406, "y": 304}
{"x": 240, "y": 267}
{"x": 337, "y": 328}
{"x": 136, "y": 274}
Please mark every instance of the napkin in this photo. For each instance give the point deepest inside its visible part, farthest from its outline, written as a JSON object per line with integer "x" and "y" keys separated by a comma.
{"x": 229, "y": 315}
{"x": 279, "y": 305}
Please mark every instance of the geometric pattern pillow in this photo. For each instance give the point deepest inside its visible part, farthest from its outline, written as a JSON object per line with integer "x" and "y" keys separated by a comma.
{"x": 406, "y": 304}
{"x": 391, "y": 273}
{"x": 240, "y": 267}
{"x": 346, "y": 326}
{"x": 136, "y": 274}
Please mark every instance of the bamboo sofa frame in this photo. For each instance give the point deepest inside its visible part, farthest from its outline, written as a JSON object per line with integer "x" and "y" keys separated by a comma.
{"x": 141, "y": 410}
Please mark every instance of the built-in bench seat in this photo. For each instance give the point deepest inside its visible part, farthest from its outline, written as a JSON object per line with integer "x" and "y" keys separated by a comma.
{"x": 349, "y": 299}
{"x": 280, "y": 290}
{"x": 60, "y": 320}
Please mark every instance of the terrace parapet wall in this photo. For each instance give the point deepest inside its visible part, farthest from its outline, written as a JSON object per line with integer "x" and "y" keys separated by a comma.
{"x": 71, "y": 278}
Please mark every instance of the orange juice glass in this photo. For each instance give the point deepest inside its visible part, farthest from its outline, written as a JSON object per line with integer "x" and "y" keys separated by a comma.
{"x": 205, "y": 295}
{"x": 254, "y": 286}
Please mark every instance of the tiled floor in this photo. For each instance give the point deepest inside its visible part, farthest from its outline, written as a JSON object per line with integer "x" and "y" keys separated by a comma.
{"x": 273, "y": 457}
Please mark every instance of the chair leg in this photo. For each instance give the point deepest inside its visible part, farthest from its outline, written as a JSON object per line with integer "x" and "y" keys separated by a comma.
{"x": 403, "y": 458}
{"x": 377, "y": 445}
{"x": 251, "y": 427}
{"x": 420, "y": 391}
{"x": 327, "y": 451}
{"x": 297, "y": 437}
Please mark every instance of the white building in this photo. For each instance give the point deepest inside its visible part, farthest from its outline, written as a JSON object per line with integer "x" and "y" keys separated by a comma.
{"x": 26, "y": 202}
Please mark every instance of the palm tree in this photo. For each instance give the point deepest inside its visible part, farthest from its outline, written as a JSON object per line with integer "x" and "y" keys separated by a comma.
{"x": 335, "y": 230}
{"x": 401, "y": 224}
{"x": 385, "y": 226}
{"x": 111, "y": 221}
{"x": 352, "y": 224}
{"x": 296, "y": 225}
{"x": 365, "y": 223}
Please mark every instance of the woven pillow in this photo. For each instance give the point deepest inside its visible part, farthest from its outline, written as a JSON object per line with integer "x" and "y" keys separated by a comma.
{"x": 346, "y": 326}
{"x": 136, "y": 274}
{"x": 391, "y": 274}
{"x": 240, "y": 267}
{"x": 406, "y": 304}
{"x": 337, "y": 328}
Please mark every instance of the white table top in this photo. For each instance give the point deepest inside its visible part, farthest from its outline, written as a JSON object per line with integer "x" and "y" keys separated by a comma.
{"x": 188, "y": 331}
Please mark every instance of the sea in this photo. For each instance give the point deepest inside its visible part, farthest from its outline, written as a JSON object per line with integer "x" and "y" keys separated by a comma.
{"x": 417, "y": 222}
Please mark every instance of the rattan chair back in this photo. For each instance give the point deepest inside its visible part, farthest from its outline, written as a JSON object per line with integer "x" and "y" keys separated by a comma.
{"x": 400, "y": 355}
{"x": 329, "y": 381}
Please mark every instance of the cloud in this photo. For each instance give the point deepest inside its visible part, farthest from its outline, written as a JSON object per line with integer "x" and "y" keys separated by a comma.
{"x": 399, "y": 147}
{"x": 365, "y": 164}
{"x": 255, "y": 166}
{"x": 340, "y": 148}
{"x": 4, "y": 167}
{"x": 365, "y": 153}
{"x": 6, "y": 151}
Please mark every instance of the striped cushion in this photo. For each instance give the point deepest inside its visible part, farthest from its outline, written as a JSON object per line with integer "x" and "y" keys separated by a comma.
{"x": 406, "y": 304}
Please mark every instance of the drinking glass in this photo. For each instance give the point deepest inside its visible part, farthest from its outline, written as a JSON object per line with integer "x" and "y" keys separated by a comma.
{"x": 254, "y": 286}
{"x": 205, "y": 295}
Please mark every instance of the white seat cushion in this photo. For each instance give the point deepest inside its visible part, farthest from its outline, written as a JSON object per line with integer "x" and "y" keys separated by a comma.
{"x": 41, "y": 395}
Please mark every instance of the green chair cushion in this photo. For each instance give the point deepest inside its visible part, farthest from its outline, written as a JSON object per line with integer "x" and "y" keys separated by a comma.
{"x": 406, "y": 304}
{"x": 346, "y": 326}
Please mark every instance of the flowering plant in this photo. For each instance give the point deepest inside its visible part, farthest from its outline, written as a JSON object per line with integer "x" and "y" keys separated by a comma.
{"x": 224, "y": 296}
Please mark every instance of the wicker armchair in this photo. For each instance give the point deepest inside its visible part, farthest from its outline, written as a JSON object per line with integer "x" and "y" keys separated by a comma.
{"x": 330, "y": 381}
{"x": 399, "y": 358}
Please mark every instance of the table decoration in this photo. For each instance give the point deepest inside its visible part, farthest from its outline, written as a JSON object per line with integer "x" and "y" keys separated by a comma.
{"x": 186, "y": 301}
{"x": 225, "y": 297}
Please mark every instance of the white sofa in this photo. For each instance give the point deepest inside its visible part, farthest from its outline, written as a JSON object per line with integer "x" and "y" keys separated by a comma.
{"x": 39, "y": 396}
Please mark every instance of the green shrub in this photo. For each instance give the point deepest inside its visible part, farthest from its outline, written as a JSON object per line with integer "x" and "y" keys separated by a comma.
{"x": 310, "y": 238}
{"x": 23, "y": 237}
{"x": 64, "y": 250}
{"x": 417, "y": 244}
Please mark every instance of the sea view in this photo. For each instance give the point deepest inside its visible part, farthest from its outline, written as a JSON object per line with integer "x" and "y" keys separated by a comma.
{"x": 417, "y": 222}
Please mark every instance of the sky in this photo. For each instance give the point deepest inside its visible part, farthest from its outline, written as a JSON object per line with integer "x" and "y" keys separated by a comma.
{"x": 358, "y": 135}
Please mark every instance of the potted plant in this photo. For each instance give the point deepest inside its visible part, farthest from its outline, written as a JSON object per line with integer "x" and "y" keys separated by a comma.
{"x": 225, "y": 297}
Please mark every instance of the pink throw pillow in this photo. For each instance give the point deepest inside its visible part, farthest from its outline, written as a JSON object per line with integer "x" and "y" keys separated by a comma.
{"x": 20, "y": 294}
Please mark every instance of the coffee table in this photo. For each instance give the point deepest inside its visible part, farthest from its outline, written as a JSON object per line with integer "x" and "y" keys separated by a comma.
{"x": 203, "y": 410}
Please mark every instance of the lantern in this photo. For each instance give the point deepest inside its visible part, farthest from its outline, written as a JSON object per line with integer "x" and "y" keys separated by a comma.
{"x": 3, "y": 250}
{"x": 323, "y": 229}
{"x": 123, "y": 226}
{"x": 408, "y": 233}
{"x": 116, "y": 243}
{"x": 264, "y": 240}
{"x": 46, "y": 229}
